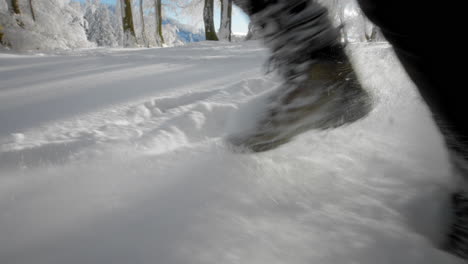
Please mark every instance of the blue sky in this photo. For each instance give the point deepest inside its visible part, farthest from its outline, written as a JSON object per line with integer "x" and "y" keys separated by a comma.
{"x": 239, "y": 24}
{"x": 240, "y": 21}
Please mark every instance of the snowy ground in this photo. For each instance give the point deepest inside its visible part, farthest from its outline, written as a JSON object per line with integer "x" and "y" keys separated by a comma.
{"x": 117, "y": 156}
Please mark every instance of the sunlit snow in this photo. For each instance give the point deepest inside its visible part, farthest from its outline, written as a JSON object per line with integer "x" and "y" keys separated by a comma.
{"x": 118, "y": 156}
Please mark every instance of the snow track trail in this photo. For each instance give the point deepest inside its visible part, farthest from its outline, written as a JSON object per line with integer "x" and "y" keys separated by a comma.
{"x": 117, "y": 156}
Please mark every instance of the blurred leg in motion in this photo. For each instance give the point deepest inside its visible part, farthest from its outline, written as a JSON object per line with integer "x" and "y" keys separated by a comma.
{"x": 319, "y": 89}
{"x": 420, "y": 34}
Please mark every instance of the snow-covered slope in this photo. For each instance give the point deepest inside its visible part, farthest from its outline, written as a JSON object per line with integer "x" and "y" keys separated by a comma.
{"x": 117, "y": 156}
{"x": 177, "y": 32}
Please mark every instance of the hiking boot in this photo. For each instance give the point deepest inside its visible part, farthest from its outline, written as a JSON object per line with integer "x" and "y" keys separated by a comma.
{"x": 320, "y": 89}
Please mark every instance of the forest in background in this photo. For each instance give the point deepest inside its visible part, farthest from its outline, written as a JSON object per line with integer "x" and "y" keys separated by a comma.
{"x": 33, "y": 25}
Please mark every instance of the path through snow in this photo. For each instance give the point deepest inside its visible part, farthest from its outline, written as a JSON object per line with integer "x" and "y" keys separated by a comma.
{"x": 117, "y": 156}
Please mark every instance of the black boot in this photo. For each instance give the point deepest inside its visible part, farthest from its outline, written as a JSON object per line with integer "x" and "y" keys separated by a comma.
{"x": 320, "y": 88}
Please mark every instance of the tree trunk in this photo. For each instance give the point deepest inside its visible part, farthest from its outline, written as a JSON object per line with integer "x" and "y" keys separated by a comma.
{"x": 225, "y": 31}
{"x": 210, "y": 32}
{"x": 127, "y": 23}
{"x": 33, "y": 15}
{"x": 158, "y": 17}
{"x": 1, "y": 35}
{"x": 13, "y": 7}
{"x": 143, "y": 30}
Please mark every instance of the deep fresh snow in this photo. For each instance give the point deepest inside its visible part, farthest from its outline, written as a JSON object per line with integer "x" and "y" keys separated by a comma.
{"x": 118, "y": 156}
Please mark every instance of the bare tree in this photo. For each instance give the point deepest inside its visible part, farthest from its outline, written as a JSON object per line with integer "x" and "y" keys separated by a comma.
{"x": 210, "y": 32}
{"x": 33, "y": 15}
{"x": 225, "y": 30}
{"x": 158, "y": 18}
{"x": 127, "y": 23}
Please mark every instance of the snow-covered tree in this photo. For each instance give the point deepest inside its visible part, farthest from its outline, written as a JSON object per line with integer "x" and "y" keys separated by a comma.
{"x": 56, "y": 24}
{"x": 225, "y": 30}
{"x": 149, "y": 19}
{"x": 142, "y": 21}
{"x": 99, "y": 27}
{"x": 68, "y": 24}
{"x": 210, "y": 31}
{"x": 15, "y": 11}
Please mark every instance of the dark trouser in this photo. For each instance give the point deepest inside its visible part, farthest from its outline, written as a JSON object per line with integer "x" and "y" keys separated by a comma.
{"x": 422, "y": 35}
{"x": 426, "y": 38}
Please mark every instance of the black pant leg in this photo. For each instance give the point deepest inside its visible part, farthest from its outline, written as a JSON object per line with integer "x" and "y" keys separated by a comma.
{"x": 423, "y": 35}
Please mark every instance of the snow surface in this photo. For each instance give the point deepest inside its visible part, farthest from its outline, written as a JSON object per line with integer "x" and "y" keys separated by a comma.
{"x": 117, "y": 156}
